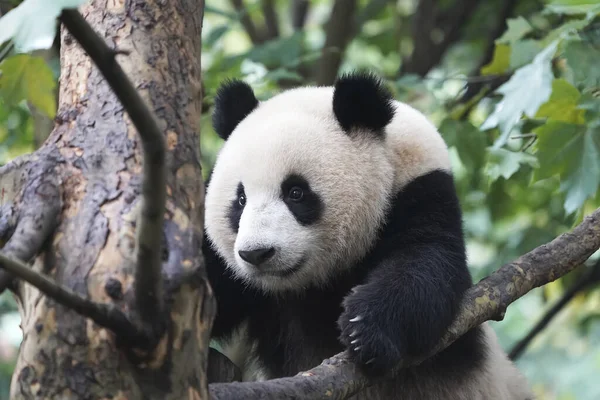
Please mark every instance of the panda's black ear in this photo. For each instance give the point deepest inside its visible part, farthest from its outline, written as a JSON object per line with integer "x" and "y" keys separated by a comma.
{"x": 360, "y": 100}
{"x": 233, "y": 102}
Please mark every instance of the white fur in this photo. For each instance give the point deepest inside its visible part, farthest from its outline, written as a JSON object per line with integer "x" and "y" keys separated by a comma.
{"x": 355, "y": 175}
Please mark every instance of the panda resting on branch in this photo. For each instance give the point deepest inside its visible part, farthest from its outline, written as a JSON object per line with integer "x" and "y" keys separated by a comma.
{"x": 332, "y": 223}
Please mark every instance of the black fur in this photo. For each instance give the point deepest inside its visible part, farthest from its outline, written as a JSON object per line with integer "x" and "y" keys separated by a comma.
{"x": 408, "y": 289}
{"x": 309, "y": 209}
{"x": 233, "y": 102}
{"x": 236, "y": 209}
{"x": 360, "y": 100}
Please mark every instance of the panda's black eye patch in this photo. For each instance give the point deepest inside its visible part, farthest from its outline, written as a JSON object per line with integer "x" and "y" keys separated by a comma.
{"x": 237, "y": 208}
{"x": 305, "y": 205}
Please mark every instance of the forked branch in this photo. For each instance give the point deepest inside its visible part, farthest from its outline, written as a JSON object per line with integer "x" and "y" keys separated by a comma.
{"x": 148, "y": 278}
{"x": 31, "y": 206}
{"x": 338, "y": 378}
{"x": 105, "y": 315}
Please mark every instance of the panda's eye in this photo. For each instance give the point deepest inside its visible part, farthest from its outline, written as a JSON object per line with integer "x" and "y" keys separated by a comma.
{"x": 296, "y": 194}
{"x": 242, "y": 200}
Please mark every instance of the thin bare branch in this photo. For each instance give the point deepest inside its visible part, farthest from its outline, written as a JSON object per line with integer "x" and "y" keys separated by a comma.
{"x": 338, "y": 378}
{"x": 337, "y": 35}
{"x": 271, "y": 23}
{"x": 590, "y": 277}
{"x": 247, "y": 22}
{"x": 472, "y": 88}
{"x": 105, "y": 315}
{"x": 148, "y": 278}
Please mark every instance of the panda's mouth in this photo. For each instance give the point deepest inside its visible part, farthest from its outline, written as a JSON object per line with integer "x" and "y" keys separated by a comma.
{"x": 284, "y": 273}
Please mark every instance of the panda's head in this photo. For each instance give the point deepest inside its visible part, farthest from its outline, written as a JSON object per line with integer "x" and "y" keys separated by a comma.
{"x": 303, "y": 181}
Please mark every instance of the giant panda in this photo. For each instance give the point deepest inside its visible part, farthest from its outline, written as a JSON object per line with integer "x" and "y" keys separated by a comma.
{"x": 332, "y": 223}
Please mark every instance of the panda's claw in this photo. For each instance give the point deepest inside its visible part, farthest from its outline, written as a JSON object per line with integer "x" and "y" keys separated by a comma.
{"x": 367, "y": 333}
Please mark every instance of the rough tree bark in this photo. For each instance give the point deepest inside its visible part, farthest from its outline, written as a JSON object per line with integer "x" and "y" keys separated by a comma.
{"x": 72, "y": 208}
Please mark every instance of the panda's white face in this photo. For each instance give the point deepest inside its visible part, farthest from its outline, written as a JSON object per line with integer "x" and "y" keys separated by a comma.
{"x": 292, "y": 197}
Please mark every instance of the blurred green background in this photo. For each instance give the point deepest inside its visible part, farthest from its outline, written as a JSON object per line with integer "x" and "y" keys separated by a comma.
{"x": 513, "y": 86}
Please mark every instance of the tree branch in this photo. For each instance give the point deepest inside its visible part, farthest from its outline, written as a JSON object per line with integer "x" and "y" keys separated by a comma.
{"x": 337, "y": 35}
{"x": 472, "y": 88}
{"x": 299, "y": 13}
{"x": 590, "y": 277}
{"x": 271, "y": 22}
{"x": 427, "y": 54}
{"x": 28, "y": 225}
{"x": 105, "y": 315}
{"x": 148, "y": 278}
{"x": 338, "y": 378}
{"x": 247, "y": 22}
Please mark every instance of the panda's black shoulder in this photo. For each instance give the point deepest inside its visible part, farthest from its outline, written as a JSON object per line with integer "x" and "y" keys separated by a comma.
{"x": 426, "y": 204}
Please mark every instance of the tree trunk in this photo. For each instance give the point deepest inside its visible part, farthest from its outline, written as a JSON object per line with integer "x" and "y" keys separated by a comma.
{"x": 89, "y": 173}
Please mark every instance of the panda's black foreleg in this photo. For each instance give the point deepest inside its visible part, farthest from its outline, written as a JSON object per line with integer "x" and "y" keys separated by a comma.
{"x": 401, "y": 311}
{"x": 418, "y": 277}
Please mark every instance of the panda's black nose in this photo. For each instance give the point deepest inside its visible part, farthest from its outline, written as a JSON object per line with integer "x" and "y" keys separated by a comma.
{"x": 257, "y": 256}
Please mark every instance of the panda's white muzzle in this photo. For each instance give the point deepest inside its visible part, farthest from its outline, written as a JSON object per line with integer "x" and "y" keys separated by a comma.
{"x": 270, "y": 242}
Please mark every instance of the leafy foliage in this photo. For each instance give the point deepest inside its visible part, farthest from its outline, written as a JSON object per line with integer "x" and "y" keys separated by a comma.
{"x": 527, "y": 89}
{"x": 24, "y": 77}
{"x": 32, "y": 25}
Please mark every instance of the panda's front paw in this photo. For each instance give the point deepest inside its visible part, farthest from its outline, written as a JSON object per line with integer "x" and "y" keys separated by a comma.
{"x": 366, "y": 332}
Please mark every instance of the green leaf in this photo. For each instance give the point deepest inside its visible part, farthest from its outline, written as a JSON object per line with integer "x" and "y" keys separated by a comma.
{"x": 469, "y": 141}
{"x": 24, "y": 77}
{"x": 216, "y": 34}
{"x": 32, "y": 25}
{"x": 528, "y": 88}
{"x": 572, "y": 152}
{"x": 571, "y": 26}
{"x": 563, "y": 104}
{"x": 523, "y": 52}
{"x": 583, "y": 60}
{"x": 283, "y": 73}
{"x": 281, "y": 52}
{"x": 590, "y": 8}
{"x": 590, "y": 105}
{"x": 500, "y": 61}
{"x": 505, "y": 163}
{"x": 517, "y": 28}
